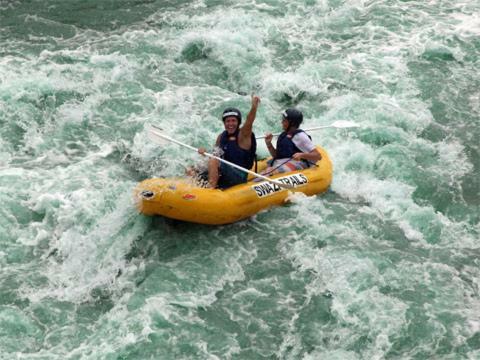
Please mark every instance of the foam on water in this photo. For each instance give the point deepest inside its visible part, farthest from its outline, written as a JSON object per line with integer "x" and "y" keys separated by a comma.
{"x": 383, "y": 265}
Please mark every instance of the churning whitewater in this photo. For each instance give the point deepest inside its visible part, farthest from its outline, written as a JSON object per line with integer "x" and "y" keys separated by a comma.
{"x": 385, "y": 265}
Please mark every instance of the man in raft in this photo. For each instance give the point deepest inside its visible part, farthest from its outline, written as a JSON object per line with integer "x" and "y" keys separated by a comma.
{"x": 295, "y": 149}
{"x": 237, "y": 144}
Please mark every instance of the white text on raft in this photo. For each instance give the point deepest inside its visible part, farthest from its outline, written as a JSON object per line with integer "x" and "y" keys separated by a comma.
{"x": 267, "y": 188}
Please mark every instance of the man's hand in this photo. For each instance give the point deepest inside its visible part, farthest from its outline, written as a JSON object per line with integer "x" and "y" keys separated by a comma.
{"x": 201, "y": 151}
{"x": 298, "y": 156}
{"x": 268, "y": 138}
{"x": 255, "y": 101}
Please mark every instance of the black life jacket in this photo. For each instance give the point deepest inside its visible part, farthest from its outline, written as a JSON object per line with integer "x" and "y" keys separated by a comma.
{"x": 285, "y": 146}
{"x": 234, "y": 153}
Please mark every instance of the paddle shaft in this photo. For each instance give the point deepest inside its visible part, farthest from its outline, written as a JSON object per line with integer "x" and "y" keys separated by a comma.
{"x": 282, "y": 185}
{"x": 316, "y": 128}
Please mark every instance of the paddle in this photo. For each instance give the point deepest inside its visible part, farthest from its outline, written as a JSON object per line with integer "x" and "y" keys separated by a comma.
{"x": 155, "y": 133}
{"x": 339, "y": 124}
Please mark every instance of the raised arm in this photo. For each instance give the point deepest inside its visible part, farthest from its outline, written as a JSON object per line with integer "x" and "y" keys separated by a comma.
{"x": 245, "y": 135}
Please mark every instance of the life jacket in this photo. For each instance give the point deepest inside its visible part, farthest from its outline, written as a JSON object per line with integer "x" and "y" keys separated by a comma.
{"x": 285, "y": 146}
{"x": 234, "y": 153}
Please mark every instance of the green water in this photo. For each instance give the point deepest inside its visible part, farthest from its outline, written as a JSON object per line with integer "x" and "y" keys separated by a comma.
{"x": 383, "y": 266}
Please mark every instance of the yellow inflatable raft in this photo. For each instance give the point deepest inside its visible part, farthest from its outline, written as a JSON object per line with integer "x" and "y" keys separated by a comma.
{"x": 179, "y": 198}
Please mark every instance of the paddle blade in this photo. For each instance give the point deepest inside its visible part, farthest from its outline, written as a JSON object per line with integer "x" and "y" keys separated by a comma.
{"x": 344, "y": 124}
{"x": 153, "y": 135}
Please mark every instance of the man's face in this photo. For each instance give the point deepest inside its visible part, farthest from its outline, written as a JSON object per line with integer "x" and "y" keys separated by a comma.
{"x": 231, "y": 124}
{"x": 285, "y": 124}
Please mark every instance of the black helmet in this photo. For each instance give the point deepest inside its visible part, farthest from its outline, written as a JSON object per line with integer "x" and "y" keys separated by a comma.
{"x": 232, "y": 112}
{"x": 293, "y": 116}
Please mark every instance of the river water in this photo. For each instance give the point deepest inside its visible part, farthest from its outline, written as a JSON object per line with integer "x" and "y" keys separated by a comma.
{"x": 385, "y": 265}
